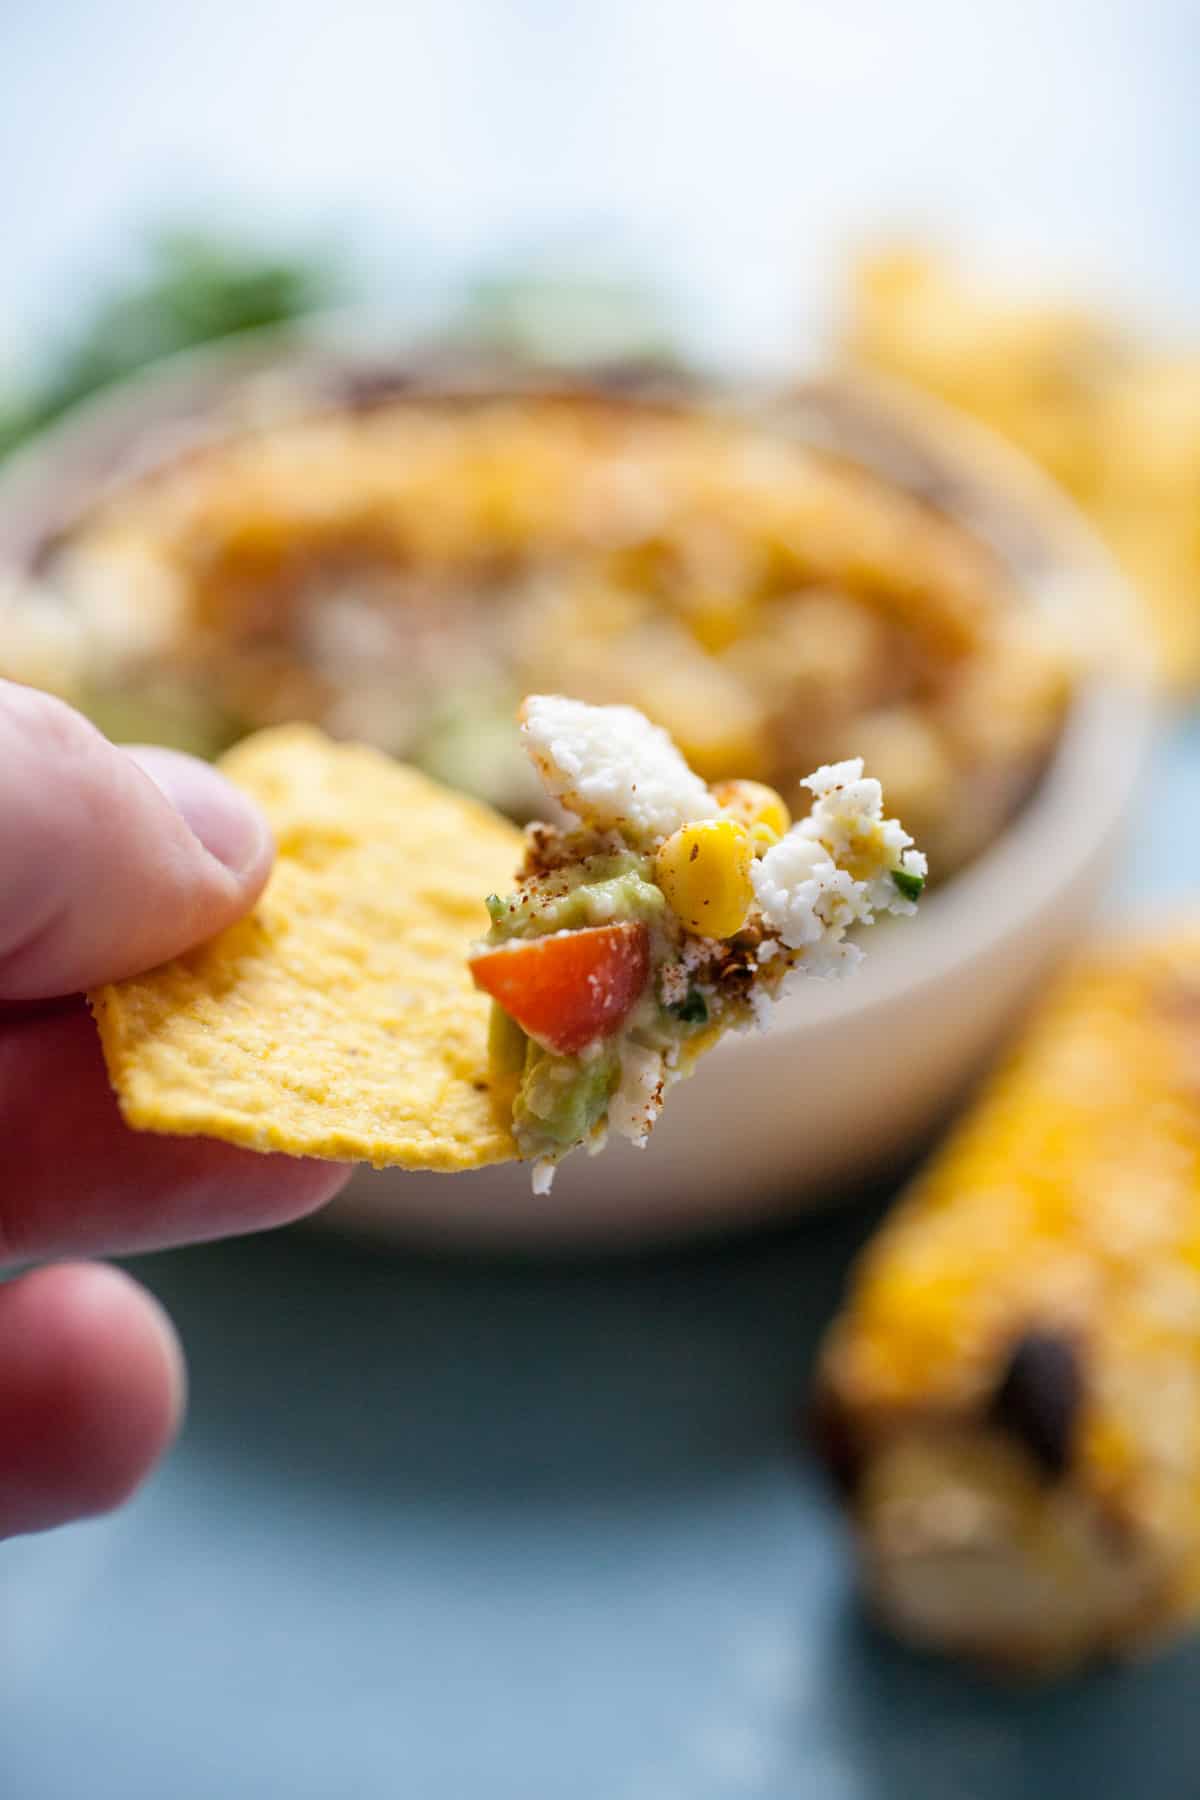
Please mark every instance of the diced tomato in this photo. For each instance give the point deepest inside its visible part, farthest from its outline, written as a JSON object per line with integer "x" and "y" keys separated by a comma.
{"x": 568, "y": 989}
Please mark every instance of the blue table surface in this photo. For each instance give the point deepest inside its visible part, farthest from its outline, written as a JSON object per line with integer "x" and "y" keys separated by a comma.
{"x": 448, "y": 1528}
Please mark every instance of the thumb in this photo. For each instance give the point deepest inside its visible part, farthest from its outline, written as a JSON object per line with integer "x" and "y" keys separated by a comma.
{"x": 111, "y": 860}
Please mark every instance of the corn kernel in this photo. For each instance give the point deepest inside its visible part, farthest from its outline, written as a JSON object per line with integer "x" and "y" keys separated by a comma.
{"x": 704, "y": 871}
{"x": 712, "y": 715}
{"x": 716, "y": 621}
{"x": 756, "y": 806}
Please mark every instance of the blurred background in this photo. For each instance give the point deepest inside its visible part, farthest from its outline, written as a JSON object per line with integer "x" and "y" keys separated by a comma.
{"x": 730, "y": 156}
{"x": 447, "y": 1525}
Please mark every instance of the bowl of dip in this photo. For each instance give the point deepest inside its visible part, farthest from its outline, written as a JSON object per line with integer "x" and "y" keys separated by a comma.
{"x": 397, "y": 546}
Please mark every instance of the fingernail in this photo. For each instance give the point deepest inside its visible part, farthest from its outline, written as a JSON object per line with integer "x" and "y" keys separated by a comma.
{"x": 228, "y": 824}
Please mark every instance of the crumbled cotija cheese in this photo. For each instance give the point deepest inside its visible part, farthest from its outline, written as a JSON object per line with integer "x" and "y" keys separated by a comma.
{"x": 802, "y": 892}
{"x": 613, "y": 768}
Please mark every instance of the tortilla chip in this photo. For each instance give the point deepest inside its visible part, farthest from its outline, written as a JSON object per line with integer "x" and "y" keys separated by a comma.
{"x": 339, "y": 1019}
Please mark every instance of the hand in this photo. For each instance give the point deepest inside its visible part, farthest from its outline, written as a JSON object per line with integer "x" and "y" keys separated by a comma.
{"x": 110, "y": 861}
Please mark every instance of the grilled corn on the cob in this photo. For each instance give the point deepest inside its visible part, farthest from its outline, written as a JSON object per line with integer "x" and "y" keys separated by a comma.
{"x": 1011, "y": 1398}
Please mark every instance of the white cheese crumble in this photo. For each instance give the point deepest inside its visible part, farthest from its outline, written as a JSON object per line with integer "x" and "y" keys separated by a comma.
{"x": 673, "y": 984}
{"x": 834, "y": 869}
{"x": 638, "y": 1100}
{"x": 613, "y": 768}
{"x": 543, "y": 1175}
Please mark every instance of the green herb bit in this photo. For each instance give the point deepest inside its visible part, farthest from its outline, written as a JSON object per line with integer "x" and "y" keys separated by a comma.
{"x": 910, "y": 885}
{"x": 691, "y": 1011}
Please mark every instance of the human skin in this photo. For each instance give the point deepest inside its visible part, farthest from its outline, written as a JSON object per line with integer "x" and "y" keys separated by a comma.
{"x": 111, "y": 861}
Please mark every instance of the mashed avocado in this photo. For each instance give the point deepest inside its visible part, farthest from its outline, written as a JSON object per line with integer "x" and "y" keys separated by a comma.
{"x": 562, "y": 1099}
{"x": 600, "y": 890}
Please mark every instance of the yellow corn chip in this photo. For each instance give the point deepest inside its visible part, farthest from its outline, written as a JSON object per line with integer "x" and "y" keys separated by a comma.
{"x": 339, "y": 1019}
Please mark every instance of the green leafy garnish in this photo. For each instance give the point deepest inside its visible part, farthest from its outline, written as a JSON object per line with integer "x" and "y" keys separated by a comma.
{"x": 196, "y": 287}
{"x": 496, "y": 908}
{"x": 691, "y": 1011}
{"x": 910, "y": 885}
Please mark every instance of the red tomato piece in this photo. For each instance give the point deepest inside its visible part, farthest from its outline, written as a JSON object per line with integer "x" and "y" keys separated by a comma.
{"x": 568, "y": 990}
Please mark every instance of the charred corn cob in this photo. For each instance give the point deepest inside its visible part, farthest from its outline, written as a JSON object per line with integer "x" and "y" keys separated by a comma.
{"x": 1010, "y": 1399}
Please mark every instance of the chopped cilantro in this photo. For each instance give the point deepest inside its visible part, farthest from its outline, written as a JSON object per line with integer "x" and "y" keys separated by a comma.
{"x": 910, "y": 885}
{"x": 693, "y": 1010}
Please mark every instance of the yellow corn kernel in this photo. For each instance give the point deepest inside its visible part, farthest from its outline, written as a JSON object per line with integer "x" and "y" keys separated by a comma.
{"x": 713, "y": 716}
{"x": 704, "y": 871}
{"x": 756, "y": 806}
{"x": 716, "y": 620}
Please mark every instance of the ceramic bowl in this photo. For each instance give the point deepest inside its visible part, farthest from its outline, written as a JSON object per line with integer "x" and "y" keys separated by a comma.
{"x": 853, "y": 1075}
